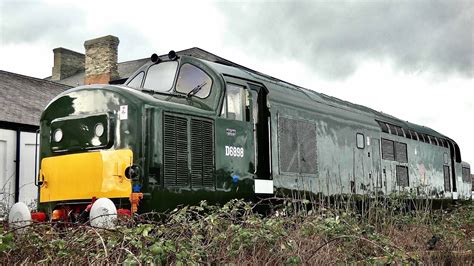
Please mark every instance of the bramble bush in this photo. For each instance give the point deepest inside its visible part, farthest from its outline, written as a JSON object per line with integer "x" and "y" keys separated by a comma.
{"x": 294, "y": 232}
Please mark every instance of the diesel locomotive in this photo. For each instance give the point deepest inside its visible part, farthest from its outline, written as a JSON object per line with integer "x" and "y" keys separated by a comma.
{"x": 183, "y": 129}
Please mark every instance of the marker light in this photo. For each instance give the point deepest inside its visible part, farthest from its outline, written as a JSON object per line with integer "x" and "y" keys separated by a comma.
{"x": 99, "y": 130}
{"x": 58, "y": 135}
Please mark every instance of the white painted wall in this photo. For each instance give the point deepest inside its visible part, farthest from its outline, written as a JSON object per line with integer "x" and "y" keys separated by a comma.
{"x": 7, "y": 169}
{"x": 28, "y": 190}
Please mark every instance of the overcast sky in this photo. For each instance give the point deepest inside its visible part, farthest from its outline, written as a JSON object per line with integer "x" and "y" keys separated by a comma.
{"x": 411, "y": 59}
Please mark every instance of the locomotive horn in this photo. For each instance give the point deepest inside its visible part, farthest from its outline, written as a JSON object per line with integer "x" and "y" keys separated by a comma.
{"x": 155, "y": 58}
{"x": 172, "y": 55}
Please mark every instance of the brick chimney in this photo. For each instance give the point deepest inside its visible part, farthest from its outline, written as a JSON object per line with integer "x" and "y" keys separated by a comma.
{"x": 101, "y": 60}
{"x": 66, "y": 63}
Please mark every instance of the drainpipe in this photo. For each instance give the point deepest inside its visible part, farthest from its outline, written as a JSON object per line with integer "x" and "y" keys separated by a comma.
{"x": 17, "y": 166}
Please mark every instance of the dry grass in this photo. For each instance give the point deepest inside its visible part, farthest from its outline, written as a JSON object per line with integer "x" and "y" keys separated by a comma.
{"x": 236, "y": 234}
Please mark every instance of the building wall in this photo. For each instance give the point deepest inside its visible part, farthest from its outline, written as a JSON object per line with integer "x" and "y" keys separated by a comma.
{"x": 8, "y": 152}
{"x": 7, "y": 169}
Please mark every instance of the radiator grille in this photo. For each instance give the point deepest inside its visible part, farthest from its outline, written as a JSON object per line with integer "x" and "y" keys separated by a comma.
{"x": 202, "y": 154}
{"x": 175, "y": 151}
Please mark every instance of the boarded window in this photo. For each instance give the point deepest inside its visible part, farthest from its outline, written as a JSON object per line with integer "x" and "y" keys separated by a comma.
{"x": 402, "y": 176}
{"x": 466, "y": 174}
{"x": 388, "y": 151}
{"x": 297, "y": 146}
{"x": 360, "y": 141}
{"x": 447, "y": 184}
{"x": 401, "y": 152}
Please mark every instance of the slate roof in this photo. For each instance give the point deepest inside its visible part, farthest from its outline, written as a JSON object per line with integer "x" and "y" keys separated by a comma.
{"x": 23, "y": 98}
{"x": 126, "y": 69}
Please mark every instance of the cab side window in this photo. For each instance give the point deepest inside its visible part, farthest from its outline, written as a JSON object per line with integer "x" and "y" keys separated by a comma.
{"x": 235, "y": 102}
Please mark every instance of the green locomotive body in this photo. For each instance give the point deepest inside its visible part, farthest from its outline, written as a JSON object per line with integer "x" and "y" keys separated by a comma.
{"x": 185, "y": 129}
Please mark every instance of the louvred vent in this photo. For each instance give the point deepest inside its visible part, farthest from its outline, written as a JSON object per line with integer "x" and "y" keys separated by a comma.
{"x": 202, "y": 154}
{"x": 176, "y": 166}
{"x": 175, "y": 151}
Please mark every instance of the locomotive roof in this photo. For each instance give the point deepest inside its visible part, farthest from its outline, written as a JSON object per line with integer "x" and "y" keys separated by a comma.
{"x": 346, "y": 108}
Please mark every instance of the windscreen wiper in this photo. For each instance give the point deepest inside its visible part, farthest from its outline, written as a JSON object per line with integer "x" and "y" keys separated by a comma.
{"x": 196, "y": 89}
{"x": 163, "y": 93}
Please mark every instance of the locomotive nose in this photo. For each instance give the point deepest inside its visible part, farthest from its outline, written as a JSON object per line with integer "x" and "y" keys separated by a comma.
{"x": 86, "y": 175}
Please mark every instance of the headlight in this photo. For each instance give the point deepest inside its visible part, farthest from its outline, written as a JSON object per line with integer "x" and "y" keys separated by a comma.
{"x": 58, "y": 135}
{"x": 99, "y": 130}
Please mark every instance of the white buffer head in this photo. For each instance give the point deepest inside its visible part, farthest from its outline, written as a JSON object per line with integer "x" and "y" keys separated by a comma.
{"x": 103, "y": 213}
{"x": 19, "y": 215}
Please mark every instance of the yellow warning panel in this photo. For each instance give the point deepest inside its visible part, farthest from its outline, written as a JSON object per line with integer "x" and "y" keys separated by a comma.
{"x": 99, "y": 174}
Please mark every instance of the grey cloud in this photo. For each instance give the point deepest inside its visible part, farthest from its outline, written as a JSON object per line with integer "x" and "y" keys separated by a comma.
{"x": 30, "y": 21}
{"x": 62, "y": 25}
{"x": 335, "y": 36}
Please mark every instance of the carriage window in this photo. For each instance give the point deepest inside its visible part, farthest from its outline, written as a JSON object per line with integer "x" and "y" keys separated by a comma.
{"x": 160, "y": 77}
{"x": 234, "y": 102}
{"x": 136, "y": 81}
{"x": 192, "y": 78}
{"x": 360, "y": 141}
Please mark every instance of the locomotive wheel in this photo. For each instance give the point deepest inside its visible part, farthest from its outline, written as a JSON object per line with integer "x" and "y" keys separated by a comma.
{"x": 103, "y": 213}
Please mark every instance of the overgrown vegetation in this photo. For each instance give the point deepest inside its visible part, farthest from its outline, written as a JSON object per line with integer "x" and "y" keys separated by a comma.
{"x": 327, "y": 231}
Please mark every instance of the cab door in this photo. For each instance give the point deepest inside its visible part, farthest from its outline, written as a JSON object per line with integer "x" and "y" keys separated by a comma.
{"x": 235, "y": 157}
